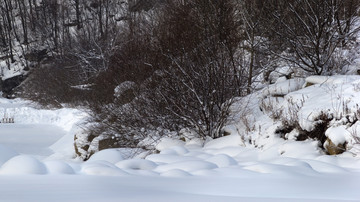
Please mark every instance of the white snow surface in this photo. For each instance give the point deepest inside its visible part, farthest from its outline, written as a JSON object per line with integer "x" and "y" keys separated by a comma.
{"x": 283, "y": 87}
{"x": 37, "y": 164}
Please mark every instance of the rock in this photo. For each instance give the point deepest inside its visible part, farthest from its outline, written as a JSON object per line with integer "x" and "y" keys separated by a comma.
{"x": 82, "y": 144}
{"x": 108, "y": 142}
{"x": 87, "y": 144}
{"x": 333, "y": 149}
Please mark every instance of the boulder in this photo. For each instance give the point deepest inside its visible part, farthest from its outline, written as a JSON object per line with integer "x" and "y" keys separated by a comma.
{"x": 333, "y": 149}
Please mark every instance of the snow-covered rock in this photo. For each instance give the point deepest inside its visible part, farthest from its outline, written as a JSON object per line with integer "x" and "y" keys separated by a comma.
{"x": 281, "y": 88}
{"x": 167, "y": 142}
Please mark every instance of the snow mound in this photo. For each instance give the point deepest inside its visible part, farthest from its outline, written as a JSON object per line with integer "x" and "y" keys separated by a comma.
{"x": 109, "y": 155}
{"x": 222, "y": 160}
{"x": 180, "y": 150}
{"x": 103, "y": 171}
{"x": 226, "y": 141}
{"x": 58, "y": 167}
{"x": 136, "y": 164}
{"x": 169, "y": 158}
{"x": 187, "y": 166}
{"x": 22, "y": 164}
{"x": 283, "y": 87}
{"x": 103, "y": 168}
{"x": 300, "y": 149}
{"x": 323, "y": 167}
{"x": 176, "y": 173}
{"x": 266, "y": 168}
{"x": 167, "y": 142}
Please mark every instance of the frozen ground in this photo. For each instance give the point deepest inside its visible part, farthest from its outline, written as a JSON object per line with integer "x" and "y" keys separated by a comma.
{"x": 36, "y": 159}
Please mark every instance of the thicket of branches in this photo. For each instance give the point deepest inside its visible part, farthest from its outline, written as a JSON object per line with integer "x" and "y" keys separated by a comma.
{"x": 146, "y": 67}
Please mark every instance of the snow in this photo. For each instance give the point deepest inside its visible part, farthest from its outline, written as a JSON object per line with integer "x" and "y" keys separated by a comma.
{"x": 58, "y": 167}
{"x": 337, "y": 98}
{"x": 136, "y": 164}
{"x": 230, "y": 140}
{"x": 253, "y": 163}
{"x": 33, "y": 139}
{"x": 37, "y": 158}
{"x": 337, "y": 135}
{"x": 6, "y": 154}
{"x": 23, "y": 164}
{"x": 283, "y": 87}
{"x": 109, "y": 155}
{"x": 168, "y": 142}
{"x": 222, "y": 160}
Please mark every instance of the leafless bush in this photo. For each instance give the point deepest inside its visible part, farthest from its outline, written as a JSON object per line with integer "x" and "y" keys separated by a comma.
{"x": 312, "y": 30}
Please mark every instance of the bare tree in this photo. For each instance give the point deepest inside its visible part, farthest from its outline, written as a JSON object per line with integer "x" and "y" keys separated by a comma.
{"x": 255, "y": 27}
{"x": 8, "y": 24}
{"x": 201, "y": 74}
{"x": 345, "y": 16}
{"x": 310, "y": 31}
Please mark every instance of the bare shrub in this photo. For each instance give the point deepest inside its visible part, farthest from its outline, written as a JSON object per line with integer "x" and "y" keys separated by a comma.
{"x": 312, "y": 30}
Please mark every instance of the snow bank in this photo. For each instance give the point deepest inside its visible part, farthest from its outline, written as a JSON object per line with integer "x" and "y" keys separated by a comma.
{"x": 337, "y": 96}
{"x": 27, "y": 116}
{"x": 329, "y": 98}
{"x": 19, "y": 109}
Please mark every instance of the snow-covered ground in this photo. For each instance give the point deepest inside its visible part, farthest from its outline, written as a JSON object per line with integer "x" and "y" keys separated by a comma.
{"x": 36, "y": 159}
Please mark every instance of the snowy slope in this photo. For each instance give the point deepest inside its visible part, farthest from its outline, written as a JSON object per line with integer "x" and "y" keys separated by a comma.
{"x": 36, "y": 160}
